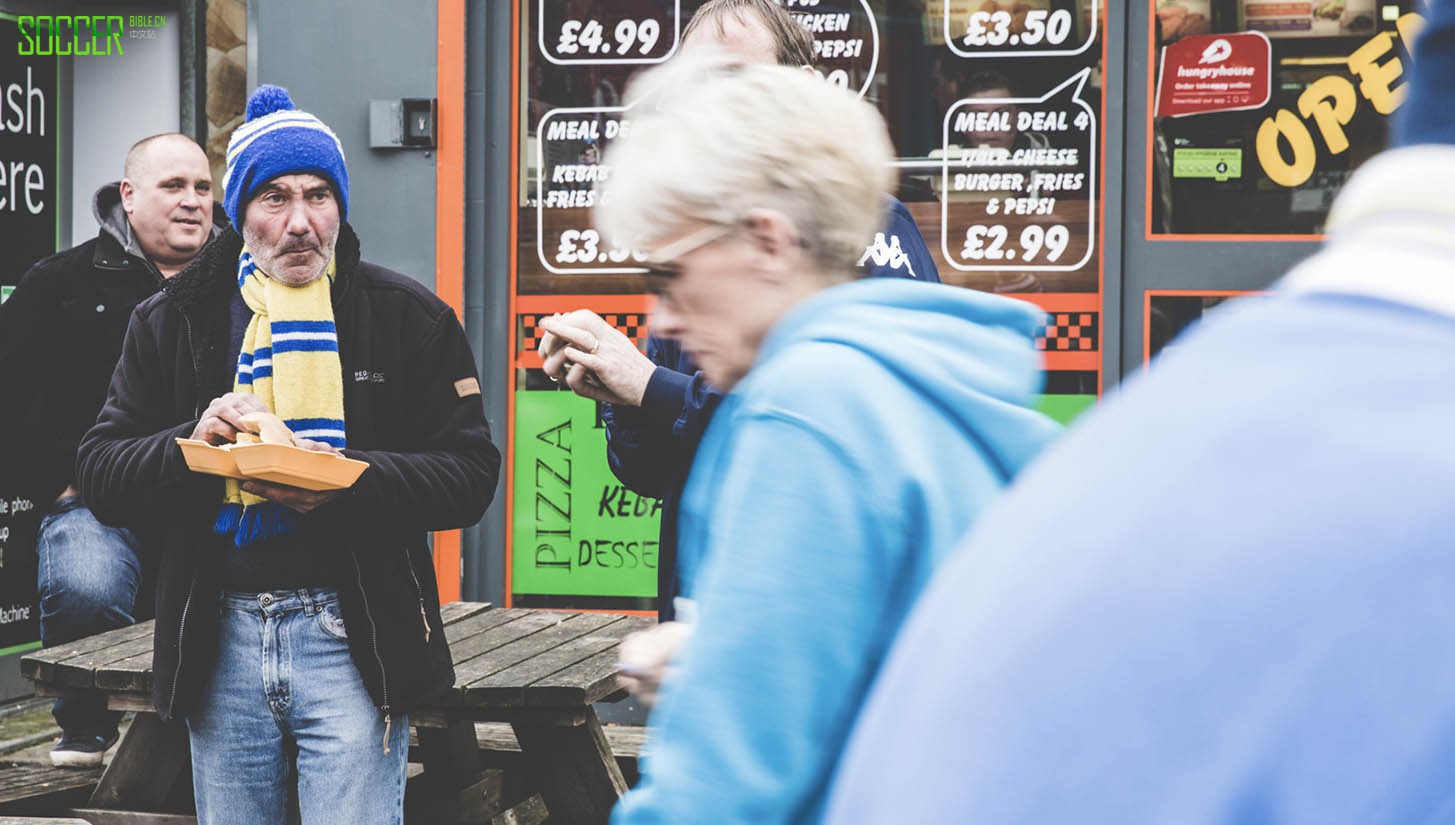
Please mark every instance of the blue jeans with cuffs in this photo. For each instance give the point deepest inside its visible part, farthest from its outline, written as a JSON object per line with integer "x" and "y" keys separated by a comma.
{"x": 87, "y": 579}
{"x": 285, "y": 683}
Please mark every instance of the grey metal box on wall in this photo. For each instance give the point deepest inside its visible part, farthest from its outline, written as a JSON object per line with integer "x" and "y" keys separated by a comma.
{"x": 335, "y": 58}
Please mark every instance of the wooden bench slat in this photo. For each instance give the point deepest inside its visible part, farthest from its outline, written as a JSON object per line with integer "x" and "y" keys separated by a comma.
{"x": 133, "y": 702}
{"x": 452, "y": 612}
{"x": 42, "y": 664}
{"x": 101, "y": 816}
{"x": 590, "y": 680}
{"x": 26, "y": 780}
{"x": 91, "y": 643}
{"x": 459, "y": 631}
{"x": 627, "y": 741}
{"x": 585, "y": 682}
{"x": 132, "y": 674}
{"x": 82, "y": 673}
{"x": 482, "y": 643}
{"x": 523, "y": 676}
{"x": 521, "y": 662}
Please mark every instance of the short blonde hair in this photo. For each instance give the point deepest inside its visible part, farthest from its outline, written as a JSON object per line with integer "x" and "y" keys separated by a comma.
{"x": 708, "y": 143}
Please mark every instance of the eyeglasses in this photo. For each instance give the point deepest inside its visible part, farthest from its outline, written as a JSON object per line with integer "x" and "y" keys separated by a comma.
{"x": 665, "y": 257}
{"x": 662, "y": 267}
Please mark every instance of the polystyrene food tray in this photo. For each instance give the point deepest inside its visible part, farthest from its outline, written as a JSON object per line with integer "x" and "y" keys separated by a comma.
{"x": 278, "y": 463}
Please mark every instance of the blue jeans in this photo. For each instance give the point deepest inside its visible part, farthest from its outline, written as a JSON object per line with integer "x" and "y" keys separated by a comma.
{"x": 87, "y": 579}
{"x": 285, "y": 683}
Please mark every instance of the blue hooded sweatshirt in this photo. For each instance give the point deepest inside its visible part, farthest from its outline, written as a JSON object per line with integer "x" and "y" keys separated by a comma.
{"x": 879, "y": 419}
{"x": 650, "y": 447}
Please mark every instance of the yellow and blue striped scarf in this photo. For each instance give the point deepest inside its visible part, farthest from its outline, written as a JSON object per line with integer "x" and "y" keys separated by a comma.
{"x": 290, "y": 360}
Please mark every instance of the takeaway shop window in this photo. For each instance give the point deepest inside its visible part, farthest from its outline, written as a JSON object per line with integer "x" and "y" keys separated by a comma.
{"x": 956, "y": 80}
{"x": 1270, "y": 168}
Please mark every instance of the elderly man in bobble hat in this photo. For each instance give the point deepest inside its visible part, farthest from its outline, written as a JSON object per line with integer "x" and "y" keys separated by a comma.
{"x": 295, "y": 629}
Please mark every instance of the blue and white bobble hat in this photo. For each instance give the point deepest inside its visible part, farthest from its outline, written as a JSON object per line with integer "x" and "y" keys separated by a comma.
{"x": 277, "y": 140}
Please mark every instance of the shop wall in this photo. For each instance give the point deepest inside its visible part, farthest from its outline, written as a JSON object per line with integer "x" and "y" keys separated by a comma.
{"x": 334, "y": 57}
{"x": 117, "y": 100}
{"x": 227, "y": 77}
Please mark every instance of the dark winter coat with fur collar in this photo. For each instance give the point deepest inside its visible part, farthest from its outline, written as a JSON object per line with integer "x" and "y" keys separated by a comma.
{"x": 413, "y": 412}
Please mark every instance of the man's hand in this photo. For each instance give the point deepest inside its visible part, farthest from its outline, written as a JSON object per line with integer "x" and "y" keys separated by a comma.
{"x": 295, "y": 498}
{"x": 222, "y": 420}
{"x": 594, "y": 358}
{"x": 643, "y": 659}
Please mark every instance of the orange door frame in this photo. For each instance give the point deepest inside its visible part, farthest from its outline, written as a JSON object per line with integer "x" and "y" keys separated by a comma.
{"x": 449, "y": 238}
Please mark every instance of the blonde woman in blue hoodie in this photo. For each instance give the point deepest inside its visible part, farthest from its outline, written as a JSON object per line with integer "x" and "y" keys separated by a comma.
{"x": 867, "y": 424}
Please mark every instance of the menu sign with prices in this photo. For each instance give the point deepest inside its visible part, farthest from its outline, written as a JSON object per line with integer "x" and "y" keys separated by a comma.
{"x": 569, "y": 167}
{"x": 845, "y": 40}
{"x": 1019, "y": 181}
{"x": 1019, "y": 28}
{"x": 606, "y": 37}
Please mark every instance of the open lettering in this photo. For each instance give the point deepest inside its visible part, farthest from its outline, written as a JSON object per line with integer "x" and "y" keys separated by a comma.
{"x": 1285, "y": 141}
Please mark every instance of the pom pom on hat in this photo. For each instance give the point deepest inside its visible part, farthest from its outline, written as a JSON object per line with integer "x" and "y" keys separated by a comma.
{"x": 267, "y": 100}
{"x": 279, "y": 139}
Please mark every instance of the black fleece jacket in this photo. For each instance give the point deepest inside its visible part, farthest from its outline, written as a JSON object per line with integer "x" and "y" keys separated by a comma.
{"x": 413, "y": 411}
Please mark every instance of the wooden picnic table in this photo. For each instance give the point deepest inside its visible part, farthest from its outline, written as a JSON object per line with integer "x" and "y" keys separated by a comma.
{"x": 540, "y": 671}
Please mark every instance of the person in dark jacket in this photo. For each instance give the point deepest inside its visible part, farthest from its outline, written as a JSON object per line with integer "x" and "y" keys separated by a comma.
{"x": 658, "y": 405}
{"x": 60, "y": 336}
{"x": 292, "y": 621}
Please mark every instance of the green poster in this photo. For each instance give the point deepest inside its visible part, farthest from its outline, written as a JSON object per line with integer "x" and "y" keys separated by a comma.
{"x": 577, "y": 531}
{"x": 1065, "y": 409}
{"x": 5, "y": 292}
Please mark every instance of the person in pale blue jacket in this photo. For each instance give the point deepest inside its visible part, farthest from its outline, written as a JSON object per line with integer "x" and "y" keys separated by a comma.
{"x": 1254, "y": 621}
{"x": 868, "y": 423}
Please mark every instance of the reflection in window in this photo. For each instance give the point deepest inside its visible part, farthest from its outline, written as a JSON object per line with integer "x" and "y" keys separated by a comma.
{"x": 1274, "y": 170}
{"x": 916, "y": 60}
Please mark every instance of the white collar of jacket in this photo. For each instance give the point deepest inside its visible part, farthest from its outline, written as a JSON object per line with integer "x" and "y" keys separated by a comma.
{"x": 1391, "y": 233}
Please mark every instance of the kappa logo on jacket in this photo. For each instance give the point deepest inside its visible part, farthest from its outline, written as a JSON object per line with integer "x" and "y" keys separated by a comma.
{"x": 888, "y": 252}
